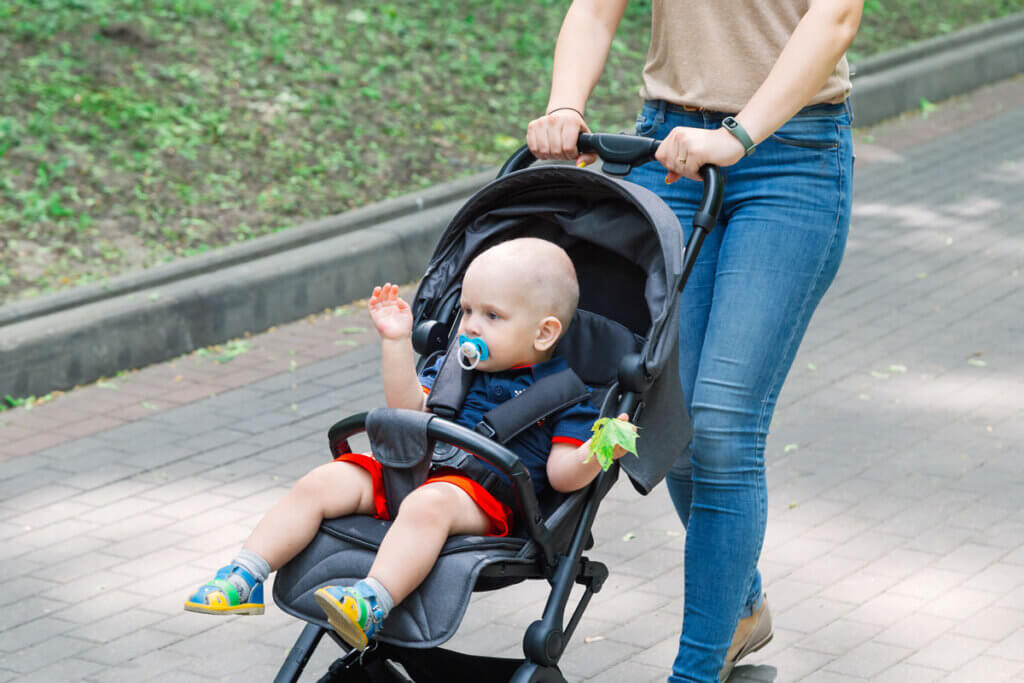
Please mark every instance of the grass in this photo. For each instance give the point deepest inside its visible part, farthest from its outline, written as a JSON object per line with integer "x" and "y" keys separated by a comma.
{"x": 135, "y": 132}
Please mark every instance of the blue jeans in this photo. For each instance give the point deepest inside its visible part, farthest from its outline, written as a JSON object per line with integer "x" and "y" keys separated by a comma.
{"x": 758, "y": 279}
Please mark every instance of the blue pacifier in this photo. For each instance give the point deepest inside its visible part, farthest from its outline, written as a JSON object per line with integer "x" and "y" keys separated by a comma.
{"x": 472, "y": 350}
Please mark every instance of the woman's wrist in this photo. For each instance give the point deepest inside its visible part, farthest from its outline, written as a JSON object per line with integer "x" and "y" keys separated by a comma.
{"x": 579, "y": 112}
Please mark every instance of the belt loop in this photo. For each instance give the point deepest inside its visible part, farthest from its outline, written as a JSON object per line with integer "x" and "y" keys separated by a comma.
{"x": 848, "y": 104}
{"x": 660, "y": 117}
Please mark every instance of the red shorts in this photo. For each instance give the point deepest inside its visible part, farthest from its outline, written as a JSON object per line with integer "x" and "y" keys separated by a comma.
{"x": 497, "y": 512}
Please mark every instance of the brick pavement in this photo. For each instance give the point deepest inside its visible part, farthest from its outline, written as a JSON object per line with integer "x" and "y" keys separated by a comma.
{"x": 895, "y": 548}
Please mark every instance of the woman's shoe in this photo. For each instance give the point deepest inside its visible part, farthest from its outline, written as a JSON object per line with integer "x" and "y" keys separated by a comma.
{"x": 354, "y": 616}
{"x": 752, "y": 633}
{"x": 220, "y": 596}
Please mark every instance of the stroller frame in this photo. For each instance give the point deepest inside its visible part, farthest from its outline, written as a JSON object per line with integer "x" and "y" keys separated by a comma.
{"x": 562, "y": 566}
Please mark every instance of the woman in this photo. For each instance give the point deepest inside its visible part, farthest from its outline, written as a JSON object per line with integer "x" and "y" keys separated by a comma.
{"x": 723, "y": 80}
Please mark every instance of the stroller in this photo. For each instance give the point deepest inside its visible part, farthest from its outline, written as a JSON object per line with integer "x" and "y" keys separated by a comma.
{"x": 626, "y": 245}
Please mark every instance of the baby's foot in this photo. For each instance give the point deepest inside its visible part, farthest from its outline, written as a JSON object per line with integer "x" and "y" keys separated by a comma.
{"x": 354, "y": 616}
{"x": 232, "y": 591}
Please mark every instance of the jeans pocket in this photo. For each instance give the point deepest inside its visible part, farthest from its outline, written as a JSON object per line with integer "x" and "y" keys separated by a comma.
{"x": 646, "y": 123}
{"x": 806, "y": 144}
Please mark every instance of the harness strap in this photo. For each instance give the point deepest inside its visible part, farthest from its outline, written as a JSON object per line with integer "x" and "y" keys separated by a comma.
{"x": 450, "y": 385}
{"x": 542, "y": 399}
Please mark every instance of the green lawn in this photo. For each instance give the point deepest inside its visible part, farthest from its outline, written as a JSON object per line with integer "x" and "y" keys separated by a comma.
{"x": 135, "y": 132}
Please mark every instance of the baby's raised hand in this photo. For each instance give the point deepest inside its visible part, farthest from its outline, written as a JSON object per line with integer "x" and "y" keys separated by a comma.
{"x": 390, "y": 315}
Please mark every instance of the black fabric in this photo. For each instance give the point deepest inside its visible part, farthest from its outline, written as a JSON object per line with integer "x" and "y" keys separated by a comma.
{"x": 451, "y": 384}
{"x": 542, "y": 399}
{"x": 398, "y": 441}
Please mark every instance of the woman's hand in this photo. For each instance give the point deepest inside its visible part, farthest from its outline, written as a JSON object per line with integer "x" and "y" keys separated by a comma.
{"x": 554, "y": 135}
{"x": 390, "y": 315}
{"x": 685, "y": 150}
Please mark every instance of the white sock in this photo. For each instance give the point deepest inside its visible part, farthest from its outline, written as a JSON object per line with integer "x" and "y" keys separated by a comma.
{"x": 384, "y": 599}
{"x": 254, "y": 565}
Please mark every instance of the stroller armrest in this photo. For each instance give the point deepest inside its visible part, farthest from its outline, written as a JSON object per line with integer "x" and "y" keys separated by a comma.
{"x": 478, "y": 445}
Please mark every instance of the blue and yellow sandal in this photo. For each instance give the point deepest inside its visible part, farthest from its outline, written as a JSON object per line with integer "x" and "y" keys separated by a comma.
{"x": 354, "y": 616}
{"x": 220, "y": 596}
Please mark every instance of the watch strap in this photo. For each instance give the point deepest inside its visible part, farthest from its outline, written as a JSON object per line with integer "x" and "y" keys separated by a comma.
{"x": 740, "y": 133}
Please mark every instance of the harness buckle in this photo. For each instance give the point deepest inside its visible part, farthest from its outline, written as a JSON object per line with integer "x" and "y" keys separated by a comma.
{"x": 485, "y": 429}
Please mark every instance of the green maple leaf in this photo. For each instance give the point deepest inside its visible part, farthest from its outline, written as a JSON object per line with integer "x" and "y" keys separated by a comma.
{"x": 608, "y": 433}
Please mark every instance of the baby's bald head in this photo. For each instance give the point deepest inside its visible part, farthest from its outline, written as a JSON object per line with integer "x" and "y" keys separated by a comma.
{"x": 539, "y": 272}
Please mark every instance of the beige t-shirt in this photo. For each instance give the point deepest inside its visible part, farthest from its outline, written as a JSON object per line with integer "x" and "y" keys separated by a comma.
{"x": 716, "y": 53}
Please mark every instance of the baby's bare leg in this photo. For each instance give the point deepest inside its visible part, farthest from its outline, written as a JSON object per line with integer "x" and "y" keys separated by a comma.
{"x": 332, "y": 490}
{"x": 426, "y": 518}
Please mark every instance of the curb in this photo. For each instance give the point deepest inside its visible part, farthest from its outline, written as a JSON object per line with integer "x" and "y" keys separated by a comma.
{"x": 75, "y": 337}
{"x": 895, "y": 82}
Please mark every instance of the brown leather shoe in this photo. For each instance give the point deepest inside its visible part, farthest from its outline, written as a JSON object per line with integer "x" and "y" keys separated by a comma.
{"x": 752, "y": 633}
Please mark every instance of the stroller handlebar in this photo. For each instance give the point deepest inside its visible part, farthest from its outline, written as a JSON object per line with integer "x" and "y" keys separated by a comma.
{"x": 623, "y": 153}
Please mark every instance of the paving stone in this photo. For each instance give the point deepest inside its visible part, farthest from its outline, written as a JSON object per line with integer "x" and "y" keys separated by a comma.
{"x": 588, "y": 660}
{"x": 909, "y": 673}
{"x": 69, "y": 669}
{"x": 987, "y": 669}
{"x": 867, "y": 659}
{"x": 630, "y": 671}
{"x": 949, "y": 652}
{"x": 813, "y": 614}
{"x": 130, "y": 646}
{"x": 27, "y": 634}
{"x": 1011, "y": 647}
{"x": 46, "y": 652}
{"x": 839, "y": 637}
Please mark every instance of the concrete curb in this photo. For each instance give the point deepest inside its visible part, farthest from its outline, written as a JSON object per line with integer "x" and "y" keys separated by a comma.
{"x": 75, "y": 337}
{"x": 895, "y": 82}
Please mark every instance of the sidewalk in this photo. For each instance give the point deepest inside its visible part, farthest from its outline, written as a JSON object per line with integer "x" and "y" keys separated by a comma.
{"x": 895, "y": 547}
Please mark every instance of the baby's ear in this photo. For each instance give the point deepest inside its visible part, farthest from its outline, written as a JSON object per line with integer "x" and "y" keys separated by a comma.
{"x": 548, "y": 332}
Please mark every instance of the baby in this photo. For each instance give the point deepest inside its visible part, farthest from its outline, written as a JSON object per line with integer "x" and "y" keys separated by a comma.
{"x": 518, "y": 298}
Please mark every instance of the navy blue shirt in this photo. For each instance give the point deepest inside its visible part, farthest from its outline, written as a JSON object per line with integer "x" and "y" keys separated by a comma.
{"x": 533, "y": 445}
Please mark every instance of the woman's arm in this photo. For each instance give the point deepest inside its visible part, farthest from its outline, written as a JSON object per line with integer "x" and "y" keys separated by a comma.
{"x": 580, "y": 55}
{"x": 809, "y": 57}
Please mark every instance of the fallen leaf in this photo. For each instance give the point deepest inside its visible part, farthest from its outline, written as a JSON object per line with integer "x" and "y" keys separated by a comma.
{"x": 353, "y": 330}
{"x": 812, "y": 367}
{"x": 345, "y": 342}
{"x": 976, "y": 362}
{"x": 879, "y": 375}
{"x": 792, "y": 505}
{"x": 897, "y": 369}
{"x": 592, "y": 639}
{"x": 864, "y": 397}
{"x": 790, "y": 447}
{"x": 629, "y": 536}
